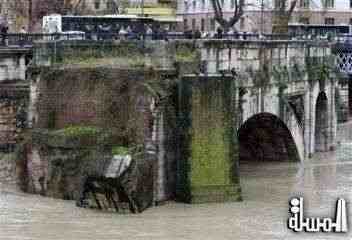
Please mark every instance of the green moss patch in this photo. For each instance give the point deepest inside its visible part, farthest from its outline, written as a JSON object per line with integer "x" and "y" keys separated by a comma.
{"x": 186, "y": 53}
{"x": 78, "y": 131}
{"x": 120, "y": 150}
{"x": 208, "y": 165}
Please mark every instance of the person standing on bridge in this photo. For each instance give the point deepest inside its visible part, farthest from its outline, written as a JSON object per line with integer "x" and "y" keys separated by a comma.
{"x": 23, "y": 30}
{"x": 3, "y": 30}
{"x": 22, "y": 37}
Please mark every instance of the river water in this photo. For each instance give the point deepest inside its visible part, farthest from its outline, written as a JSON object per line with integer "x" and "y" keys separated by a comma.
{"x": 262, "y": 215}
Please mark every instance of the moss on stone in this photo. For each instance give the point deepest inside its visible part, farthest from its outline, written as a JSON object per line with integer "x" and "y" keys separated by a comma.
{"x": 209, "y": 161}
{"x": 120, "y": 150}
{"x": 186, "y": 53}
{"x": 72, "y": 137}
{"x": 77, "y": 131}
{"x": 209, "y": 147}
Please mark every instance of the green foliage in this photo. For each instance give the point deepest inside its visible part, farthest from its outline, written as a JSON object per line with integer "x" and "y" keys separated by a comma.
{"x": 186, "y": 53}
{"x": 281, "y": 76}
{"x": 124, "y": 54}
{"x": 186, "y": 56}
{"x": 120, "y": 150}
{"x": 123, "y": 150}
{"x": 78, "y": 131}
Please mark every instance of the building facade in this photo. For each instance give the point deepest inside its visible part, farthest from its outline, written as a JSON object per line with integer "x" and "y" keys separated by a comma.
{"x": 199, "y": 14}
{"x": 14, "y": 14}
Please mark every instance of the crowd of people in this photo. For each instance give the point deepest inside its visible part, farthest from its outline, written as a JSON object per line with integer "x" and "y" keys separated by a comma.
{"x": 130, "y": 32}
{"x": 218, "y": 34}
{"x": 3, "y": 31}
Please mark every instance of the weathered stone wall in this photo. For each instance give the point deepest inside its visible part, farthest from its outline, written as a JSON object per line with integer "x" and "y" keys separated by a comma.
{"x": 132, "y": 97}
{"x": 8, "y": 175}
{"x": 58, "y": 163}
{"x": 13, "y": 96}
{"x": 13, "y": 64}
{"x": 118, "y": 99}
{"x": 207, "y": 166}
{"x": 129, "y": 103}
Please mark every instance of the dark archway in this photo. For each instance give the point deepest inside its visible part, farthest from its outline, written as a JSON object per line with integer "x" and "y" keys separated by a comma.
{"x": 321, "y": 123}
{"x": 265, "y": 137}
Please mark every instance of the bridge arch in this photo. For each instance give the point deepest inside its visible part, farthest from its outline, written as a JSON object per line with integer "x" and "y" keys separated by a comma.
{"x": 321, "y": 135}
{"x": 265, "y": 137}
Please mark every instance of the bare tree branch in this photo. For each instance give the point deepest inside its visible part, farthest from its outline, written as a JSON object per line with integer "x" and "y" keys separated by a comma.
{"x": 219, "y": 16}
{"x": 292, "y": 7}
{"x": 282, "y": 16}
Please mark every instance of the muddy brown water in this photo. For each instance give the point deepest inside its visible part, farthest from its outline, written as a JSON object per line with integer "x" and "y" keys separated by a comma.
{"x": 262, "y": 215}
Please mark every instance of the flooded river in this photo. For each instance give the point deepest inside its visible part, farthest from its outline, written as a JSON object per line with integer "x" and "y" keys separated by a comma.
{"x": 262, "y": 215}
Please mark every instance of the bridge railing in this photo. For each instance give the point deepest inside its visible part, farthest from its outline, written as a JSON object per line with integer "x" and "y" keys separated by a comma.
{"x": 25, "y": 39}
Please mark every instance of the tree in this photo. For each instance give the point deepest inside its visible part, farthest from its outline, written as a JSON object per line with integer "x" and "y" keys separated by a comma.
{"x": 79, "y": 7}
{"x": 112, "y": 7}
{"x": 219, "y": 15}
{"x": 282, "y": 14}
{"x": 41, "y": 8}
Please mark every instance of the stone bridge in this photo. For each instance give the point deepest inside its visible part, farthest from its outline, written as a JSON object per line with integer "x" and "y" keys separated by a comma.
{"x": 277, "y": 98}
{"x": 281, "y": 85}
{"x": 237, "y": 101}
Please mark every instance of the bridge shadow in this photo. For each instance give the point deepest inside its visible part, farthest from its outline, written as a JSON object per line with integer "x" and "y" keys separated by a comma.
{"x": 268, "y": 158}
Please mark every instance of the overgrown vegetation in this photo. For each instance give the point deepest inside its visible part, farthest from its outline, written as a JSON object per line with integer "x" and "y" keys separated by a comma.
{"x": 186, "y": 53}
{"x": 73, "y": 131}
{"x": 127, "y": 54}
{"x": 120, "y": 150}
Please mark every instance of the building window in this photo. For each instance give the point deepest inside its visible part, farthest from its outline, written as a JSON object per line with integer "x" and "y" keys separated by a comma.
{"x": 304, "y": 20}
{"x": 193, "y": 24}
{"x": 194, "y": 5}
{"x": 329, "y": 21}
{"x": 304, "y": 3}
{"x": 97, "y": 4}
{"x": 350, "y": 21}
{"x": 329, "y": 3}
{"x": 350, "y": 3}
{"x": 242, "y": 23}
{"x": 186, "y": 6}
{"x": 185, "y": 24}
{"x": 212, "y": 24}
{"x": 203, "y": 4}
{"x": 279, "y": 4}
{"x": 202, "y": 24}
{"x": 232, "y": 3}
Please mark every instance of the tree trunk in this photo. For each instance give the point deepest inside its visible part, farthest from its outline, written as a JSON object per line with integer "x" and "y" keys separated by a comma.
{"x": 280, "y": 23}
{"x": 30, "y": 16}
